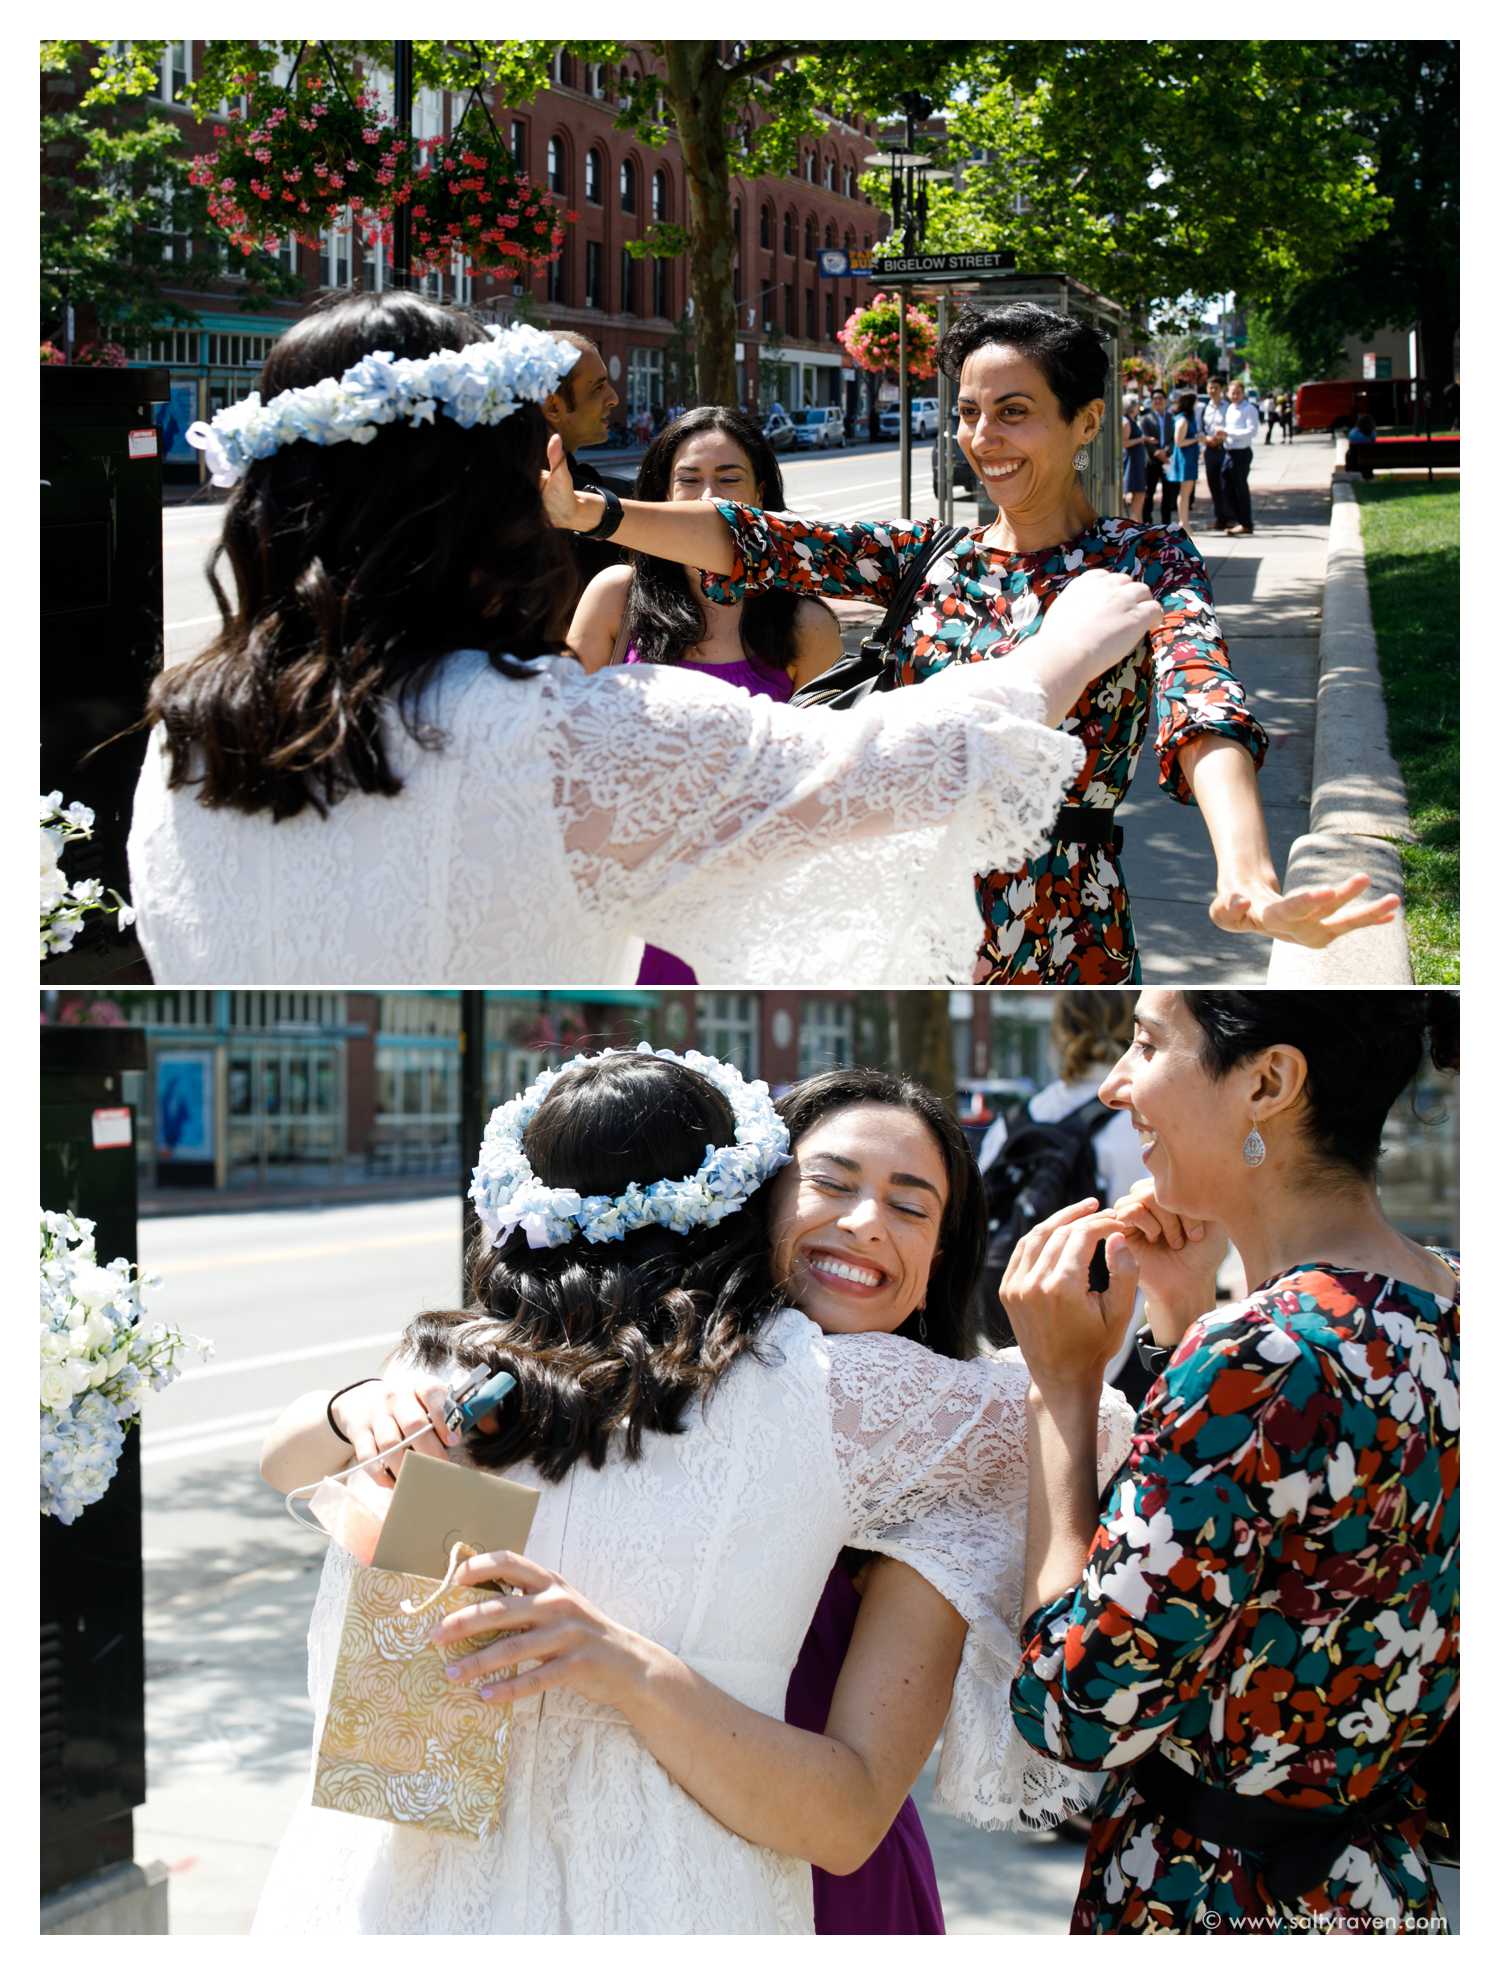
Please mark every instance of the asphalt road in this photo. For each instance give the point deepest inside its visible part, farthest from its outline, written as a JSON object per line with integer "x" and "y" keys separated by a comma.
{"x": 293, "y": 1300}
{"x": 836, "y": 485}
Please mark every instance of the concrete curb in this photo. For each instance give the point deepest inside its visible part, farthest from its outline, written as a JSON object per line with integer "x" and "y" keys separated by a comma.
{"x": 1358, "y": 796}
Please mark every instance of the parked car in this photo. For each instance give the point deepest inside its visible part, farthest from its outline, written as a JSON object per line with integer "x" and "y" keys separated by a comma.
{"x": 780, "y": 431}
{"x": 924, "y": 419}
{"x": 963, "y": 473}
{"x": 820, "y": 425}
{"x": 1332, "y": 404}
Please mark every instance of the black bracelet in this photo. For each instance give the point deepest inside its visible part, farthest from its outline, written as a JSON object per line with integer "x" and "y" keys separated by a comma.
{"x": 609, "y": 521}
{"x": 371, "y": 1381}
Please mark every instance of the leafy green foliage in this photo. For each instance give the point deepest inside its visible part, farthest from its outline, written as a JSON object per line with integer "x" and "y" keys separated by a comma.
{"x": 1161, "y": 172}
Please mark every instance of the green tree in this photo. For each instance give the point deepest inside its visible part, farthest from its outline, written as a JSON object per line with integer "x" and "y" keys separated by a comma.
{"x": 116, "y": 199}
{"x": 1282, "y": 362}
{"x": 1162, "y": 173}
{"x": 1403, "y": 108}
{"x": 734, "y": 109}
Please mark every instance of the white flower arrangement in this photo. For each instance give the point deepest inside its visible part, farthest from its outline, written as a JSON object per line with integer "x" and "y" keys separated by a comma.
{"x": 482, "y": 384}
{"x": 99, "y": 1359}
{"x": 64, "y": 905}
{"x": 507, "y": 1194}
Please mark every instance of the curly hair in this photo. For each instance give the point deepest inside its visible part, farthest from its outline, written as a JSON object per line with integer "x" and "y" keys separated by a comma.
{"x": 355, "y": 570}
{"x": 1069, "y": 353}
{"x": 610, "y": 1337}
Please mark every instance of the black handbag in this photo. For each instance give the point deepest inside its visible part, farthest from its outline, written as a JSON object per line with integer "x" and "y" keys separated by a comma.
{"x": 872, "y": 669}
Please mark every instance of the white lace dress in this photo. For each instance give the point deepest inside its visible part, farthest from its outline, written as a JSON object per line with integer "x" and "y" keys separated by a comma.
{"x": 717, "y": 1543}
{"x": 567, "y": 819}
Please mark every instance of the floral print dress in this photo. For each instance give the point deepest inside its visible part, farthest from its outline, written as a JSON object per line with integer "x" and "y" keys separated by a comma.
{"x": 1065, "y": 916}
{"x": 1271, "y": 1602}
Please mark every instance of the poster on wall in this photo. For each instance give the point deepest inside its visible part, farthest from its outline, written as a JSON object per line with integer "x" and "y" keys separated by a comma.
{"x": 185, "y": 1106}
{"x": 172, "y": 422}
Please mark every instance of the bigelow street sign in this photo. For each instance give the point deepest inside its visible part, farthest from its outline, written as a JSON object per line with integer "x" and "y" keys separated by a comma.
{"x": 941, "y": 267}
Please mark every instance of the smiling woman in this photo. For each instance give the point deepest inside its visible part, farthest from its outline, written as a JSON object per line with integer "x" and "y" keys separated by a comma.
{"x": 1031, "y": 402}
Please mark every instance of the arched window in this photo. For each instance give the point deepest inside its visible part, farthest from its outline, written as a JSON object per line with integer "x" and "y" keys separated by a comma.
{"x": 810, "y": 167}
{"x": 849, "y": 241}
{"x": 593, "y": 78}
{"x": 810, "y": 237}
{"x": 831, "y": 236}
{"x": 765, "y": 226}
{"x": 659, "y": 199}
{"x": 593, "y": 179}
{"x": 830, "y": 173}
{"x": 557, "y": 166}
{"x": 848, "y": 181}
{"x": 627, "y": 186}
{"x": 789, "y": 233}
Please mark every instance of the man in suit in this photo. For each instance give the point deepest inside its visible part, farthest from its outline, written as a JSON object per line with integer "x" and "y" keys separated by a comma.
{"x": 578, "y": 412}
{"x": 1157, "y": 426}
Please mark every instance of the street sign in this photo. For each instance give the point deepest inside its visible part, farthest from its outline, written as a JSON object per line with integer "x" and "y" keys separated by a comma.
{"x": 941, "y": 267}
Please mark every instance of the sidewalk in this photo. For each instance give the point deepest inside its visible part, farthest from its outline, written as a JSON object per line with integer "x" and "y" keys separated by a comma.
{"x": 1269, "y": 591}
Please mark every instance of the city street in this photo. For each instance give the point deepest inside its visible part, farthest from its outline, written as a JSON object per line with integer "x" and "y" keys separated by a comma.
{"x": 294, "y": 1300}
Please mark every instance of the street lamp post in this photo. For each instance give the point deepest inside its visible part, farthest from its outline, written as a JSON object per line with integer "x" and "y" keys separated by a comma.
{"x": 912, "y": 172}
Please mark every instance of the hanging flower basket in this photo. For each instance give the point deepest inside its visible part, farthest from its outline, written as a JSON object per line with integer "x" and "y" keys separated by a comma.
{"x": 297, "y": 159}
{"x": 1193, "y": 373}
{"x": 1138, "y": 374}
{"x": 872, "y": 338}
{"x": 467, "y": 197}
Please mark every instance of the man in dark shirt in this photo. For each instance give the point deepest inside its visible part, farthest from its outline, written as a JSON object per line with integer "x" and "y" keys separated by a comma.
{"x": 578, "y": 412}
{"x": 1157, "y": 426}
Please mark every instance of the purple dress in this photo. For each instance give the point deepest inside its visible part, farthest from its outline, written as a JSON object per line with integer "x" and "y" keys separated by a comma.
{"x": 659, "y": 969}
{"x": 895, "y": 1892}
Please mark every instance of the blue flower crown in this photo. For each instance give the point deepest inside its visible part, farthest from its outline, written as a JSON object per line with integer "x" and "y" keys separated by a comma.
{"x": 507, "y": 1195}
{"x": 481, "y": 384}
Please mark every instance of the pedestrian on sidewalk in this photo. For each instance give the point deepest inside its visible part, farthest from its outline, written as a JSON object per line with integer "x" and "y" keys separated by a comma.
{"x": 1186, "y": 445}
{"x": 1241, "y": 423}
{"x": 1157, "y": 426}
{"x": 1213, "y": 451}
{"x": 1133, "y": 441}
{"x": 1270, "y": 412}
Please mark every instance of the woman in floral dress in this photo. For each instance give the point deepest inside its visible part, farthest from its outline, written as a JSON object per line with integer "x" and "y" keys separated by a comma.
{"x": 1256, "y": 1638}
{"x": 1030, "y": 401}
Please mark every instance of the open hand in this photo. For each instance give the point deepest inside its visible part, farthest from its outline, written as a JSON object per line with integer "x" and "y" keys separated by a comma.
{"x": 572, "y": 1643}
{"x": 1067, "y": 1332}
{"x": 1311, "y": 916}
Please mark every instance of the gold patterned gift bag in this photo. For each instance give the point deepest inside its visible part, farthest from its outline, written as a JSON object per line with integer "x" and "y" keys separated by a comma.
{"x": 402, "y": 1742}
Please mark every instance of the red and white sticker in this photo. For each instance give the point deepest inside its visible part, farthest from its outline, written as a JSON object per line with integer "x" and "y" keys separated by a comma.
{"x": 142, "y": 443}
{"x": 111, "y": 1127}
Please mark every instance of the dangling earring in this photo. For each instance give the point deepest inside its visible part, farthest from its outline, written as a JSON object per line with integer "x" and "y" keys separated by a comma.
{"x": 1253, "y": 1152}
{"x": 1080, "y": 459}
{"x": 922, "y": 1324}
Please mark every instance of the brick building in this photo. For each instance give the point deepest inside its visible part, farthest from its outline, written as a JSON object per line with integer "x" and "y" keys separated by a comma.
{"x": 636, "y": 310}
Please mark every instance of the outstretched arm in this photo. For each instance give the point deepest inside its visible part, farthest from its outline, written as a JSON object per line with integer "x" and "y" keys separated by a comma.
{"x": 690, "y": 532}
{"x": 828, "y": 1798}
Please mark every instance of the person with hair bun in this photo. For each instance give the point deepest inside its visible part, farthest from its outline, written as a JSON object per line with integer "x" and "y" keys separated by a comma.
{"x": 386, "y": 768}
{"x": 722, "y": 1393}
{"x": 1031, "y": 403}
{"x": 1255, "y": 1636}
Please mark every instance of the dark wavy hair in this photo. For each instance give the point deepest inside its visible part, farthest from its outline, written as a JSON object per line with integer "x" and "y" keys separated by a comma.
{"x": 664, "y": 618}
{"x": 952, "y": 1289}
{"x": 1069, "y": 353}
{"x": 357, "y": 568}
{"x": 612, "y": 1336}
{"x": 1362, "y": 1051}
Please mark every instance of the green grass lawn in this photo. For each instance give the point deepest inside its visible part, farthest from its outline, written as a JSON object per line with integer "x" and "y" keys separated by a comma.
{"x": 1411, "y": 558}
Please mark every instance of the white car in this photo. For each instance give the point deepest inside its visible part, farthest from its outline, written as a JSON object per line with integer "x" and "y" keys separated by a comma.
{"x": 820, "y": 425}
{"x": 924, "y": 419}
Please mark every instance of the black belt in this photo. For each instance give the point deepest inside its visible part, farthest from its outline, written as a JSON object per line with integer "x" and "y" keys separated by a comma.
{"x": 1295, "y": 1850}
{"x": 1076, "y": 825}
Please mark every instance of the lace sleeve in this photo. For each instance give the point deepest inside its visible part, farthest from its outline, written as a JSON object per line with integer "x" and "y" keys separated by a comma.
{"x": 932, "y": 1455}
{"x": 751, "y": 837}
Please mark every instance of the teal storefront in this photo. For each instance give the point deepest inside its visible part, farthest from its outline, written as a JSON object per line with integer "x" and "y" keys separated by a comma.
{"x": 212, "y": 363}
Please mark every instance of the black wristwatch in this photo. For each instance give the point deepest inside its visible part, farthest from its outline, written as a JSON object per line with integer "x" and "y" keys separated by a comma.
{"x": 609, "y": 521}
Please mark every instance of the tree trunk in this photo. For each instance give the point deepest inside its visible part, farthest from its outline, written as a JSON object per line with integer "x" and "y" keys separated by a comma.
{"x": 924, "y": 1038}
{"x": 697, "y": 90}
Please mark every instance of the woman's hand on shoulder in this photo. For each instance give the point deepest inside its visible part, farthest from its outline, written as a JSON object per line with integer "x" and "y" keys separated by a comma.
{"x": 1096, "y": 621}
{"x": 546, "y": 1622}
{"x": 380, "y": 1413}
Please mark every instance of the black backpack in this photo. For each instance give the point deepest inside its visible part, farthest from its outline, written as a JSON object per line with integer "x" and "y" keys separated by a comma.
{"x": 1038, "y": 1170}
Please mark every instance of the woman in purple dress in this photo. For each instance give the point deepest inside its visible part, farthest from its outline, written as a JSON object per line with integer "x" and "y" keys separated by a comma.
{"x": 651, "y": 612}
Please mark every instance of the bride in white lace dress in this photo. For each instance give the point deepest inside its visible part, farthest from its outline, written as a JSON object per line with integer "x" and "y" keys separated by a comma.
{"x": 382, "y": 770}
{"x": 652, "y": 1785}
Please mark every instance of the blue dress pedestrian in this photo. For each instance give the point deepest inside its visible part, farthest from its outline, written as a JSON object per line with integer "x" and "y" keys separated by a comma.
{"x": 1185, "y": 458}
